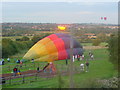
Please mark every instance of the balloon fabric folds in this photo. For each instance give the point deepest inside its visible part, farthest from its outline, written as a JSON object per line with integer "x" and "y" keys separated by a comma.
{"x": 53, "y": 47}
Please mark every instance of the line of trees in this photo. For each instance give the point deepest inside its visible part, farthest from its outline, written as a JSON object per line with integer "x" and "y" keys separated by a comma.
{"x": 10, "y": 47}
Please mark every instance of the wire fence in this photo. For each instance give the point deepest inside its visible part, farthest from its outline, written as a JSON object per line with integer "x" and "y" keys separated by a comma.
{"x": 41, "y": 76}
{"x": 28, "y": 78}
{"x": 32, "y": 66}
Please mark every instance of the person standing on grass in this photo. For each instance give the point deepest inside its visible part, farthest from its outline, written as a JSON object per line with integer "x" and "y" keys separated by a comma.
{"x": 32, "y": 60}
{"x": 92, "y": 57}
{"x": 78, "y": 57}
{"x": 73, "y": 58}
{"x": 20, "y": 63}
{"x": 3, "y": 62}
{"x": 83, "y": 57}
{"x": 82, "y": 67}
{"x": 89, "y": 53}
{"x": 38, "y": 69}
{"x": 18, "y": 72}
{"x": 8, "y": 59}
{"x": 15, "y": 71}
{"x": 87, "y": 66}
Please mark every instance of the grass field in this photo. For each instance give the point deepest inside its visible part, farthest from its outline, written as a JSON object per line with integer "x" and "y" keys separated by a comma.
{"x": 100, "y": 68}
{"x": 15, "y": 37}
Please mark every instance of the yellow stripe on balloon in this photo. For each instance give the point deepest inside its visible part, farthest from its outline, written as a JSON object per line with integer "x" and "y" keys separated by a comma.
{"x": 38, "y": 50}
{"x": 44, "y": 50}
{"x": 46, "y": 58}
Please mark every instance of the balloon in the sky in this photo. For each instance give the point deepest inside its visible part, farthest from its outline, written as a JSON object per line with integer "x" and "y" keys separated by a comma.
{"x": 54, "y": 47}
{"x": 103, "y": 18}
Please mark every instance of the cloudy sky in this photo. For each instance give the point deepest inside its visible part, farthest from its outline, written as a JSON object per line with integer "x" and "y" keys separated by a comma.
{"x": 60, "y": 12}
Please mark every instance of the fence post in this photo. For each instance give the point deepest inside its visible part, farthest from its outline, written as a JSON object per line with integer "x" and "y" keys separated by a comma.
{"x": 23, "y": 80}
{"x": 34, "y": 65}
{"x": 36, "y": 76}
{"x": 10, "y": 80}
{"x": 9, "y": 68}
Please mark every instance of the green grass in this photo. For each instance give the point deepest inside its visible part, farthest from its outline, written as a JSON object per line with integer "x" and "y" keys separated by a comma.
{"x": 90, "y": 44}
{"x": 100, "y": 68}
{"x": 86, "y": 44}
{"x": 15, "y": 37}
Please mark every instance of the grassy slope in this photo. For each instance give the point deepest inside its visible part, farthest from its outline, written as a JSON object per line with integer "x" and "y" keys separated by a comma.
{"x": 100, "y": 68}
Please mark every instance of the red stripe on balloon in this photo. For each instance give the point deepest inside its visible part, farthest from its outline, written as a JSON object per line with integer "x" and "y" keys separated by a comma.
{"x": 59, "y": 43}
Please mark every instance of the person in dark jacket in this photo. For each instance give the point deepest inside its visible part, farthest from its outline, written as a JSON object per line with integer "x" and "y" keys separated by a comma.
{"x": 87, "y": 66}
{"x": 38, "y": 69}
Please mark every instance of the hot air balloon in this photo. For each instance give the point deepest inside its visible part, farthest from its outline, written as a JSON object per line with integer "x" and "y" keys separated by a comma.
{"x": 61, "y": 27}
{"x": 54, "y": 47}
{"x": 103, "y": 18}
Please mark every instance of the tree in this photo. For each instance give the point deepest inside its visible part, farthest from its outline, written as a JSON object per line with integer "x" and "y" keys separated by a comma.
{"x": 96, "y": 42}
{"x": 102, "y": 37}
{"x": 8, "y": 48}
{"x": 113, "y": 50}
{"x": 35, "y": 39}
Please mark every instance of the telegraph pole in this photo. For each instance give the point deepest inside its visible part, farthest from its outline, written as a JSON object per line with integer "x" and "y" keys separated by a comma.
{"x": 71, "y": 60}
{"x": 62, "y": 28}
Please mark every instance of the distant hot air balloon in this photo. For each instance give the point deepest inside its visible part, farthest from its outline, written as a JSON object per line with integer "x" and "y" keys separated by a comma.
{"x": 103, "y": 18}
{"x": 53, "y": 47}
{"x": 61, "y": 27}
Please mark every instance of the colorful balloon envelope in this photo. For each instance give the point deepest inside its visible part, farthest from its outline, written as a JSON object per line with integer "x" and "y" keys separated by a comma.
{"x": 54, "y": 47}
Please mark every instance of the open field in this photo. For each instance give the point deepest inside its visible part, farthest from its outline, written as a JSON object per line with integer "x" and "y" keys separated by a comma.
{"x": 15, "y": 37}
{"x": 100, "y": 68}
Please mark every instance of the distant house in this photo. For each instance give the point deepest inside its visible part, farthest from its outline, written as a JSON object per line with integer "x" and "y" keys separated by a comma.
{"x": 108, "y": 34}
{"x": 90, "y": 35}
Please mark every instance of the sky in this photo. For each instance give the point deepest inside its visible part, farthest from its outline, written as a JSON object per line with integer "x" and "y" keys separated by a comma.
{"x": 60, "y": 12}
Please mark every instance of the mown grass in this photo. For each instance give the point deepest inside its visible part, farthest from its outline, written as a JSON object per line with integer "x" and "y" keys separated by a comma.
{"x": 90, "y": 44}
{"x": 15, "y": 37}
{"x": 100, "y": 68}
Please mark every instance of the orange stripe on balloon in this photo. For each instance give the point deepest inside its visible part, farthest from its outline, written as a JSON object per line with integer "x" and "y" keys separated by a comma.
{"x": 52, "y": 50}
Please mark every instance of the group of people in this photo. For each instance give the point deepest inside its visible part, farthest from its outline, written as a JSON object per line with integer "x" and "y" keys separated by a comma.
{"x": 91, "y": 55}
{"x": 50, "y": 65}
{"x": 82, "y": 66}
{"x": 78, "y": 57}
{"x": 16, "y": 71}
{"x": 2, "y": 62}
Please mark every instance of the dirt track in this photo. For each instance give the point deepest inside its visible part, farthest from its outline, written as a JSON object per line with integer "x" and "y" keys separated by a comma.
{"x": 29, "y": 73}
{"x": 93, "y": 47}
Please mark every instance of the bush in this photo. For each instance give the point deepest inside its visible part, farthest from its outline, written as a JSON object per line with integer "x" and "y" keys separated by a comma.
{"x": 25, "y": 38}
{"x": 96, "y": 42}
